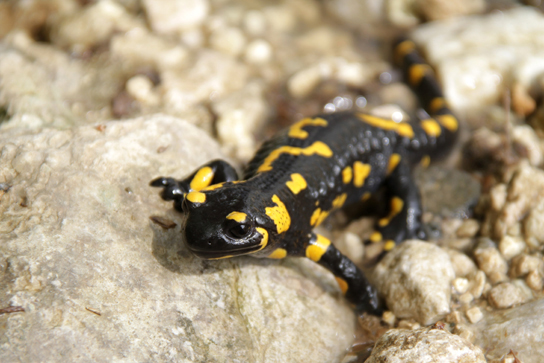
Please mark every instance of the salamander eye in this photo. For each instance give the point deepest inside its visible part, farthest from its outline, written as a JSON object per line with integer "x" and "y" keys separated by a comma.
{"x": 239, "y": 230}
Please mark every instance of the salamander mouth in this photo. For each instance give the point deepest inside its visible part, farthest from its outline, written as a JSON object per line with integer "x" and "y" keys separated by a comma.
{"x": 216, "y": 255}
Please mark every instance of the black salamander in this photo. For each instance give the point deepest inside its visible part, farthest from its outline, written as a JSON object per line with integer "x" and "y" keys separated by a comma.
{"x": 306, "y": 172}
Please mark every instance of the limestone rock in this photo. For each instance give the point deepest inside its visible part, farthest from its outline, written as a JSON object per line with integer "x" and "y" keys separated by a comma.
{"x": 415, "y": 279}
{"x": 99, "y": 281}
{"x": 424, "y": 345}
{"x": 520, "y": 329}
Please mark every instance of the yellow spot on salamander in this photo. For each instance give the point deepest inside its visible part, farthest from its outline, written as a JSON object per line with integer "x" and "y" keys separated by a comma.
{"x": 396, "y": 207}
{"x": 376, "y": 237}
{"x": 425, "y": 161}
{"x": 402, "y": 128}
{"x": 436, "y": 104}
{"x": 278, "y": 253}
{"x": 342, "y": 284}
{"x": 202, "y": 179}
{"x": 318, "y": 217}
{"x": 347, "y": 174}
{"x": 317, "y": 148}
{"x": 297, "y": 183}
{"x": 213, "y": 187}
{"x": 389, "y": 245}
{"x": 394, "y": 160}
{"x": 417, "y": 72}
{"x": 237, "y": 216}
{"x": 366, "y": 196}
{"x": 296, "y": 130}
{"x": 279, "y": 215}
{"x": 339, "y": 201}
{"x": 403, "y": 49}
{"x": 431, "y": 127}
{"x": 361, "y": 172}
{"x": 264, "y": 241}
{"x": 448, "y": 121}
{"x": 196, "y": 197}
{"x": 318, "y": 248}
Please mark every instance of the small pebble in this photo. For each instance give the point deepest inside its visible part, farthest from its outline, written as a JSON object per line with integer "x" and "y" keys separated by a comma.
{"x": 523, "y": 264}
{"x": 534, "y": 280}
{"x": 477, "y": 284}
{"x": 468, "y": 229}
{"x": 490, "y": 261}
{"x": 511, "y": 246}
{"x": 258, "y": 52}
{"x": 505, "y": 295}
{"x": 409, "y": 324}
{"x": 389, "y": 318}
{"x": 474, "y": 315}
{"x": 460, "y": 284}
{"x": 466, "y": 298}
{"x": 462, "y": 264}
{"x": 453, "y": 317}
{"x": 302, "y": 83}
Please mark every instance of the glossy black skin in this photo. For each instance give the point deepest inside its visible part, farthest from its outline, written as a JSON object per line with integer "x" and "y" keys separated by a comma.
{"x": 209, "y": 234}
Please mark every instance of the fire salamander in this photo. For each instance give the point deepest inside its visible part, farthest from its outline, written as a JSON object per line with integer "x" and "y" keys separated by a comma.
{"x": 318, "y": 165}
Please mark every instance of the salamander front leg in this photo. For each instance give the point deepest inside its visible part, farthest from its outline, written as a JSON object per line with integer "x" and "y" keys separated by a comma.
{"x": 214, "y": 172}
{"x": 350, "y": 278}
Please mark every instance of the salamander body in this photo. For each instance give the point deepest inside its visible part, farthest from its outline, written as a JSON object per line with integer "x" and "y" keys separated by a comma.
{"x": 318, "y": 165}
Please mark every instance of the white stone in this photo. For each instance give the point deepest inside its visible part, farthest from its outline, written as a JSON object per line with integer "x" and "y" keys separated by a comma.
{"x": 415, "y": 279}
{"x": 258, "y": 51}
{"x": 474, "y": 314}
{"x": 511, "y": 246}
{"x": 175, "y": 16}
{"x": 85, "y": 241}
{"x": 477, "y": 57}
{"x": 424, "y": 345}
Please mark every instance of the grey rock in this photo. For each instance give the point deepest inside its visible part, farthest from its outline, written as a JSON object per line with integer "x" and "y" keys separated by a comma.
{"x": 424, "y": 345}
{"x": 76, "y": 240}
{"x": 520, "y": 329}
{"x": 415, "y": 279}
{"x": 447, "y": 192}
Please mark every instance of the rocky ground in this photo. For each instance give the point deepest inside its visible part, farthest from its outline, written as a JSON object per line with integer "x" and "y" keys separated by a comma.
{"x": 99, "y": 97}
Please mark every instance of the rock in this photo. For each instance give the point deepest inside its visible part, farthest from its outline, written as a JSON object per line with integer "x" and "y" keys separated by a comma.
{"x": 487, "y": 49}
{"x": 505, "y": 295}
{"x": 523, "y": 264}
{"x": 526, "y": 137}
{"x": 415, "y": 279}
{"x": 447, "y": 192}
{"x": 511, "y": 246}
{"x": 533, "y": 226}
{"x": 535, "y": 281}
{"x": 460, "y": 284}
{"x": 469, "y": 228}
{"x": 92, "y": 26}
{"x": 474, "y": 314}
{"x": 424, "y": 345}
{"x": 519, "y": 329}
{"x": 140, "y": 48}
{"x": 100, "y": 281}
{"x": 173, "y": 17}
{"x": 490, "y": 261}
{"x": 44, "y": 87}
{"x": 241, "y": 116}
{"x": 462, "y": 264}
{"x": 525, "y": 193}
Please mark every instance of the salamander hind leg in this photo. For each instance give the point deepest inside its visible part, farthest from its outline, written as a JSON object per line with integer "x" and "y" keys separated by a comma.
{"x": 350, "y": 278}
{"x": 212, "y": 173}
{"x": 403, "y": 219}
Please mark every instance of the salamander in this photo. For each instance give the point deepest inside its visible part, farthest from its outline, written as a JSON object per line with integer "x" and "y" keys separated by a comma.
{"x": 304, "y": 173}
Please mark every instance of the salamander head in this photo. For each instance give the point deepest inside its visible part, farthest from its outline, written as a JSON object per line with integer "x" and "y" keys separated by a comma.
{"x": 220, "y": 224}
